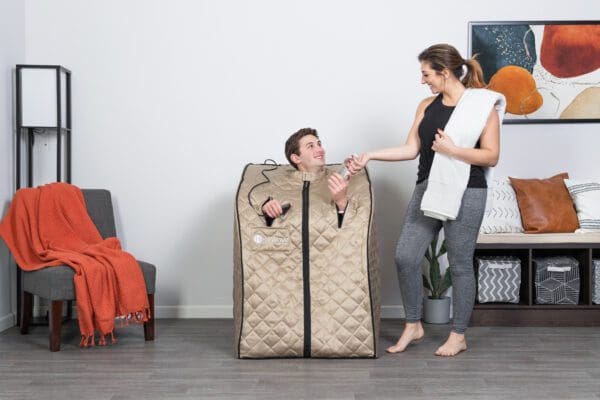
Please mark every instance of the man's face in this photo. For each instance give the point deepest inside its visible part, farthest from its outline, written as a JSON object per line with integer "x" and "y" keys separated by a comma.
{"x": 312, "y": 155}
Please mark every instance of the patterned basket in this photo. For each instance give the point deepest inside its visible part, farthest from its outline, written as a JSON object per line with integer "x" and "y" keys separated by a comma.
{"x": 556, "y": 280}
{"x": 498, "y": 279}
{"x": 596, "y": 281}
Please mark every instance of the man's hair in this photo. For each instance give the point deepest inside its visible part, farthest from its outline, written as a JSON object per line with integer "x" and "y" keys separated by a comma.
{"x": 292, "y": 145}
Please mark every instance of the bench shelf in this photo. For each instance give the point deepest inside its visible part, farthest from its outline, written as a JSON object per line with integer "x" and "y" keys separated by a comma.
{"x": 527, "y": 312}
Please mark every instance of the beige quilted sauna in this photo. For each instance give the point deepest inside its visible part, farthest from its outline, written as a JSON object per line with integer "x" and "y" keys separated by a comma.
{"x": 304, "y": 287}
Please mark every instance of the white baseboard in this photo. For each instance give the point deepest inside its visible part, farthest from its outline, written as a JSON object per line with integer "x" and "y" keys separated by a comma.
{"x": 7, "y": 321}
{"x": 194, "y": 311}
{"x": 183, "y": 312}
{"x": 223, "y": 311}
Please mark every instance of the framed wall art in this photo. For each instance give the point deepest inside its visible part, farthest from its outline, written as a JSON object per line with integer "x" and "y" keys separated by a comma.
{"x": 549, "y": 71}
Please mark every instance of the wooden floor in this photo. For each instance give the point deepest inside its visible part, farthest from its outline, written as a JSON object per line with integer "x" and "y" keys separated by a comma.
{"x": 193, "y": 359}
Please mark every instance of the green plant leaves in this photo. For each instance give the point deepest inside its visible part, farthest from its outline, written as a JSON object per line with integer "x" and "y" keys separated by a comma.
{"x": 446, "y": 282}
{"x": 443, "y": 249}
{"x": 436, "y": 284}
{"x": 426, "y": 282}
{"x": 428, "y": 256}
{"x": 435, "y": 277}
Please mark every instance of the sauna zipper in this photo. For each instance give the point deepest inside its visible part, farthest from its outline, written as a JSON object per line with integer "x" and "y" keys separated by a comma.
{"x": 306, "y": 267}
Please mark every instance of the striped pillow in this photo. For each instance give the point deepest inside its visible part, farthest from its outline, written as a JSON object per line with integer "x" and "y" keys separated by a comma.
{"x": 501, "y": 209}
{"x": 586, "y": 197}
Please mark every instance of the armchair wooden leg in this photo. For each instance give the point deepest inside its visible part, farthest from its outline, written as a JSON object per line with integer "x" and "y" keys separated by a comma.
{"x": 56, "y": 308}
{"x": 69, "y": 310}
{"x": 26, "y": 311}
{"x": 149, "y": 326}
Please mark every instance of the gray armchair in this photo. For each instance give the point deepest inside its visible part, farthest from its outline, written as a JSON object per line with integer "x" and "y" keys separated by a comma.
{"x": 56, "y": 283}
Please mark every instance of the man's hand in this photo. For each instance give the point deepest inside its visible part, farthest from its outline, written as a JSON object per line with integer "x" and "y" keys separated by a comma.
{"x": 338, "y": 187}
{"x": 272, "y": 208}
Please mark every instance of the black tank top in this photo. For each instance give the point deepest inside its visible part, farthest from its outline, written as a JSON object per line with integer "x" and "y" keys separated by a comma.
{"x": 437, "y": 116}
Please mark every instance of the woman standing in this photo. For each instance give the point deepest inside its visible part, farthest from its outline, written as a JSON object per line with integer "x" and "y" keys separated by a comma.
{"x": 442, "y": 67}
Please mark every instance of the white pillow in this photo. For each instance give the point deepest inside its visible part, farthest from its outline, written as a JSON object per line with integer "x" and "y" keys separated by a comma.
{"x": 586, "y": 197}
{"x": 501, "y": 209}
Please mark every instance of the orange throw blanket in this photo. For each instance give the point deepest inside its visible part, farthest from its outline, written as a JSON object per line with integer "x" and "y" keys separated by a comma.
{"x": 49, "y": 226}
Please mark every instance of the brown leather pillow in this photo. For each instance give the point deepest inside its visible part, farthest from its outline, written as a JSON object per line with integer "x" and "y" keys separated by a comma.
{"x": 545, "y": 204}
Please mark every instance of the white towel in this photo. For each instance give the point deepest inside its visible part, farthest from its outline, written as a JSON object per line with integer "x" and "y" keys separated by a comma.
{"x": 449, "y": 177}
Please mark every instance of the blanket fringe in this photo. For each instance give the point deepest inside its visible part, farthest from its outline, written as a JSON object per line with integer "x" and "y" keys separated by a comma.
{"x": 138, "y": 317}
{"x": 87, "y": 341}
{"x": 90, "y": 341}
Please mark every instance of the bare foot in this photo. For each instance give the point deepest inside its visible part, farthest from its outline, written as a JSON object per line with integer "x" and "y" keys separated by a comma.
{"x": 455, "y": 344}
{"x": 412, "y": 332}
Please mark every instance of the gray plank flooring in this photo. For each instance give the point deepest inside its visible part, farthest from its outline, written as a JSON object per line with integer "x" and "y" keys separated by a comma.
{"x": 193, "y": 359}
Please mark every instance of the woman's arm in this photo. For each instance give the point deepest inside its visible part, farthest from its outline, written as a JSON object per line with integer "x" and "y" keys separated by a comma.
{"x": 408, "y": 151}
{"x": 489, "y": 145}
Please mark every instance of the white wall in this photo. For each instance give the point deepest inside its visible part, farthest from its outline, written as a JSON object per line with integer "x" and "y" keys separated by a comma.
{"x": 12, "y": 52}
{"x": 171, "y": 99}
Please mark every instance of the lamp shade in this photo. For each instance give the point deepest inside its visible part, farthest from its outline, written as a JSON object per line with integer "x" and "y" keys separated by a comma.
{"x": 43, "y": 95}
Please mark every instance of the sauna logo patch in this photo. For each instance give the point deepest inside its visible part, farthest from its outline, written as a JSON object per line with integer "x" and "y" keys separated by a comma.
{"x": 259, "y": 239}
{"x": 270, "y": 240}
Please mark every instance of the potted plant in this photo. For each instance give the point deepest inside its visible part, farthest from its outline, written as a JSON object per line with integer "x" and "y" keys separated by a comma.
{"x": 436, "y": 308}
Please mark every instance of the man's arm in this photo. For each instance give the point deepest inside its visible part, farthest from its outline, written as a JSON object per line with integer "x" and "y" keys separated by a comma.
{"x": 261, "y": 200}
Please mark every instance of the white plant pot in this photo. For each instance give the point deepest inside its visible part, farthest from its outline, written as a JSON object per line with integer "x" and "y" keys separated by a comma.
{"x": 436, "y": 311}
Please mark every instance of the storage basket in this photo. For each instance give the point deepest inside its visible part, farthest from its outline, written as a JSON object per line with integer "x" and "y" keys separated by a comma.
{"x": 556, "y": 280}
{"x": 498, "y": 279}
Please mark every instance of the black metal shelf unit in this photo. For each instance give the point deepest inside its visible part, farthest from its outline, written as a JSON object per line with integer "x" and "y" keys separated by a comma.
{"x": 63, "y": 124}
{"x": 27, "y": 83}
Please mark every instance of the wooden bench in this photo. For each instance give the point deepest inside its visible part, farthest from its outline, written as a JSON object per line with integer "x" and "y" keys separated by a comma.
{"x": 582, "y": 246}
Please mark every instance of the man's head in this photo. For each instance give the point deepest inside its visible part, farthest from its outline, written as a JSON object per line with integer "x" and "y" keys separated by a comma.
{"x": 303, "y": 150}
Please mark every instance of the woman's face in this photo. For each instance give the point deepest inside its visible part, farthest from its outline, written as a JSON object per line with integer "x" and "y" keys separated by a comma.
{"x": 436, "y": 81}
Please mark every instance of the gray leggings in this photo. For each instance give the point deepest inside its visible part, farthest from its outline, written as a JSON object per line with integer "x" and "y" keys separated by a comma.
{"x": 461, "y": 235}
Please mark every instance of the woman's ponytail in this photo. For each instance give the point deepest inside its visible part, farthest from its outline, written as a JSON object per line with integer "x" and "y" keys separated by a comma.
{"x": 474, "y": 76}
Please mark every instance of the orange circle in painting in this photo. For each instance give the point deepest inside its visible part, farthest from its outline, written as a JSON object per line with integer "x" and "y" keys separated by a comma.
{"x": 518, "y": 86}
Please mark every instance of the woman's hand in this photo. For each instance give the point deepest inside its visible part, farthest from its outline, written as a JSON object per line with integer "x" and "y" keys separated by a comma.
{"x": 356, "y": 163}
{"x": 443, "y": 144}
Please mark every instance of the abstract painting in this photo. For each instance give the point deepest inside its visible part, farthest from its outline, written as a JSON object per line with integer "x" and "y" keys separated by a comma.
{"x": 549, "y": 71}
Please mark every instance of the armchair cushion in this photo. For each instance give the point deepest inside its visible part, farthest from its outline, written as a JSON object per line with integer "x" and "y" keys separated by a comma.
{"x": 56, "y": 283}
